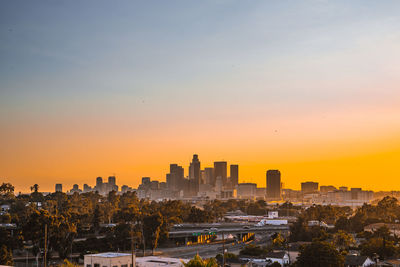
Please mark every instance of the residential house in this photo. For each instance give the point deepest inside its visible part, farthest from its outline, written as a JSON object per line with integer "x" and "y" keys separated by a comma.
{"x": 357, "y": 261}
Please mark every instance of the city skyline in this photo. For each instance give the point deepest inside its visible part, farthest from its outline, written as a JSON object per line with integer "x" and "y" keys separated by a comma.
{"x": 277, "y": 184}
{"x": 309, "y": 88}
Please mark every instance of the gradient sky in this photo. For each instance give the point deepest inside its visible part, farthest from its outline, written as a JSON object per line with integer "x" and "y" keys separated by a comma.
{"x": 93, "y": 88}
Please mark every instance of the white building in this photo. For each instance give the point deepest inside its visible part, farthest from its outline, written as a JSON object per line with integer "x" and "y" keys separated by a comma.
{"x": 112, "y": 259}
{"x": 153, "y": 261}
{"x": 280, "y": 257}
{"x": 108, "y": 259}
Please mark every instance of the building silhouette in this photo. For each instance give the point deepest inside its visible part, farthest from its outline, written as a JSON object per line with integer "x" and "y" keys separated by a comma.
{"x": 58, "y": 188}
{"x": 220, "y": 169}
{"x": 309, "y": 187}
{"x": 194, "y": 175}
{"x": 234, "y": 174}
{"x": 274, "y": 186}
{"x": 209, "y": 176}
{"x": 175, "y": 178}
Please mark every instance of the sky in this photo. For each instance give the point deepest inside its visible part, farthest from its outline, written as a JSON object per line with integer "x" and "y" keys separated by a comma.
{"x": 100, "y": 88}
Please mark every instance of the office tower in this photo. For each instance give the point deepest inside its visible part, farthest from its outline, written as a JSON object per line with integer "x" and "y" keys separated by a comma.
{"x": 309, "y": 187}
{"x": 146, "y": 181}
{"x": 327, "y": 188}
{"x": 75, "y": 187}
{"x": 218, "y": 184}
{"x": 194, "y": 175}
{"x": 175, "y": 178}
{"x": 247, "y": 190}
{"x": 355, "y": 192}
{"x": 99, "y": 185}
{"x": 234, "y": 174}
{"x": 124, "y": 188}
{"x": 112, "y": 186}
{"x": 220, "y": 169}
{"x": 274, "y": 186}
{"x": 154, "y": 185}
{"x": 163, "y": 185}
{"x": 202, "y": 177}
{"x": 111, "y": 180}
{"x": 86, "y": 188}
{"x": 58, "y": 187}
{"x": 209, "y": 176}
{"x": 99, "y": 181}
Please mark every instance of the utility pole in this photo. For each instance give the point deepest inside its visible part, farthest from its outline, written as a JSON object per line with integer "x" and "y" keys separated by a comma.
{"x": 223, "y": 250}
{"x": 45, "y": 246}
{"x": 144, "y": 241}
{"x": 133, "y": 248}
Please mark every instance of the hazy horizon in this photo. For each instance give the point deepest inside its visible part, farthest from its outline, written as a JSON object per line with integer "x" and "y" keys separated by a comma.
{"x": 92, "y": 88}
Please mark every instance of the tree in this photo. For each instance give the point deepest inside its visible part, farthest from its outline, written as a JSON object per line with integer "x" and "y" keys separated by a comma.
{"x": 320, "y": 254}
{"x": 343, "y": 240}
{"x": 67, "y": 263}
{"x": 278, "y": 240}
{"x": 61, "y": 235}
{"x": 380, "y": 246}
{"x": 152, "y": 225}
{"x": 96, "y": 219}
{"x": 253, "y": 250}
{"x": 6, "y": 257}
{"x": 197, "y": 261}
{"x": 35, "y": 188}
{"x": 6, "y": 191}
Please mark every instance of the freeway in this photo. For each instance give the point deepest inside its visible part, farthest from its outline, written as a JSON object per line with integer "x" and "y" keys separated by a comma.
{"x": 208, "y": 250}
{"x": 188, "y": 231}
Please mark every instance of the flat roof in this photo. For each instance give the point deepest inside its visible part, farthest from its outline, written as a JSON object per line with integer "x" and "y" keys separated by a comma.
{"x": 161, "y": 260}
{"x": 109, "y": 255}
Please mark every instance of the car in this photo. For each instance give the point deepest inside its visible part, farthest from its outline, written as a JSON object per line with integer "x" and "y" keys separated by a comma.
{"x": 213, "y": 229}
{"x": 246, "y": 227}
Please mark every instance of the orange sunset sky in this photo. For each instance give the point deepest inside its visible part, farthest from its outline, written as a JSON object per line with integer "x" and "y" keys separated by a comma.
{"x": 89, "y": 89}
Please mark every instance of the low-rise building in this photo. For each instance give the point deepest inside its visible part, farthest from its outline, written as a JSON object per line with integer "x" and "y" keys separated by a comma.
{"x": 357, "y": 261}
{"x": 153, "y": 261}
{"x": 108, "y": 259}
{"x": 393, "y": 228}
{"x": 281, "y": 257}
{"x": 113, "y": 259}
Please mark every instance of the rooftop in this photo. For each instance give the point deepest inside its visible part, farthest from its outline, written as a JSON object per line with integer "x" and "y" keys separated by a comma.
{"x": 109, "y": 255}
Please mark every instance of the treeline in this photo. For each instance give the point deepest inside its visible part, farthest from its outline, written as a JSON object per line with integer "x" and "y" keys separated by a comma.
{"x": 88, "y": 217}
{"x": 68, "y": 217}
{"x": 349, "y": 226}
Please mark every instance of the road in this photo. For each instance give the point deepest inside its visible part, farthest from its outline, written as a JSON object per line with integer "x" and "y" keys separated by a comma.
{"x": 206, "y": 250}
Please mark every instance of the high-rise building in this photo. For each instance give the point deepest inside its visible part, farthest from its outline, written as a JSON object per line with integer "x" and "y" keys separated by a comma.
{"x": 175, "y": 178}
{"x": 154, "y": 185}
{"x": 327, "y": 188}
{"x": 111, "y": 180}
{"x": 58, "y": 187}
{"x": 86, "y": 188}
{"x": 220, "y": 169}
{"x": 112, "y": 186}
{"x": 146, "y": 181}
{"x": 194, "y": 175}
{"x": 99, "y": 185}
{"x": 309, "y": 187}
{"x": 75, "y": 189}
{"x": 247, "y": 190}
{"x": 274, "y": 186}
{"x": 234, "y": 174}
{"x": 99, "y": 181}
{"x": 209, "y": 176}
